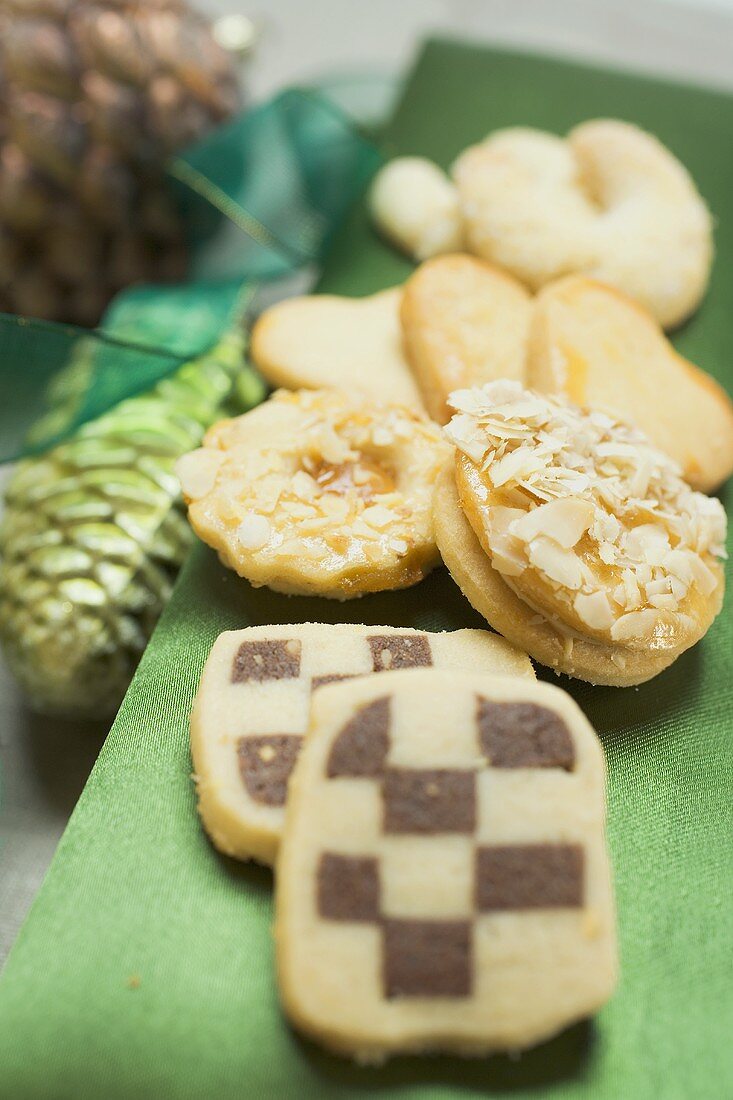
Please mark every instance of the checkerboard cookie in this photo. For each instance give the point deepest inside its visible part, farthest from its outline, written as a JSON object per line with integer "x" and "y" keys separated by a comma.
{"x": 353, "y": 344}
{"x": 318, "y": 492}
{"x": 443, "y": 880}
{"x": 581, "y": 542}
{"x": 251, "y": 710}
{"x": 464, "y": 322}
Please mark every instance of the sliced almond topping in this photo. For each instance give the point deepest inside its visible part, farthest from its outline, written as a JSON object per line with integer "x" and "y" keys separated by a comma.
{"x": 515, "y": 466}
{"x": 647, "y": 536}
{"x": 564, "y": 521}
{"x": 558, "y": 564}
{"x": 595, "y": 610}
{"x": 704, "y": 578}
{"x": 254, "y": 532}
{"x": 507, "y": 552}
{"x": 665, "y": 601}
{"x": 501, "y": 518}
{"x": 197, "y": 472}
{"x": 634, "y": 626}
{"x": 378, "y": 516}
{"x": 304, "y": 486}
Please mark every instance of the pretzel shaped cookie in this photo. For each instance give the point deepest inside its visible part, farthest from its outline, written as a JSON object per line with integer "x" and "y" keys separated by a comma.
{"x": 443, "y": 881}
{"x": 608, "y": 201}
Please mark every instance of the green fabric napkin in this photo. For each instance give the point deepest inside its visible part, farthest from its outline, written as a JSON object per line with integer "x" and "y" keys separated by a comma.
{"x": 146, "y": 966}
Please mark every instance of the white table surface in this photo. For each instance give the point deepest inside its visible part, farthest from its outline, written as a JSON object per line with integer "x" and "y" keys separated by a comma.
{"x": 44, "y": 763}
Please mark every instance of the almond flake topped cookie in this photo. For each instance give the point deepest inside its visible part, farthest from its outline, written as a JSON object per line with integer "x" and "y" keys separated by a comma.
{"x": 585, "y": 520}
{"x": 318, "y": 492}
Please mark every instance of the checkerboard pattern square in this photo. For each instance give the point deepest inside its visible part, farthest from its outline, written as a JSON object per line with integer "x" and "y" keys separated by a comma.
{"x": 266, "y": 760}
{"x": 423, "y": 956}
{"x": 427, "y": 958}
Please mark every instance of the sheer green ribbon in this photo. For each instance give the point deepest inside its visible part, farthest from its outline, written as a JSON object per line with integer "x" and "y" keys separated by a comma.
{"x": 259, "y": 198}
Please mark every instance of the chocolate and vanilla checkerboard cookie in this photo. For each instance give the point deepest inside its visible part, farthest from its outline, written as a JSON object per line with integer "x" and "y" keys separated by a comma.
{"x": 443, "y": 881}
{"x": 252, "y": 706}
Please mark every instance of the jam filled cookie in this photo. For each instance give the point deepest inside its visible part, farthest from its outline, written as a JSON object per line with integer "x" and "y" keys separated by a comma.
{"x": 354, "y": 344}
{"x": 251, "y": 710}
{"x": 598, "y": 559}
{"x": 608, "y": 201}
{"x": 443, "y": 881}
{"x": 464, "y": 322}
{"x": 318, "y": 493}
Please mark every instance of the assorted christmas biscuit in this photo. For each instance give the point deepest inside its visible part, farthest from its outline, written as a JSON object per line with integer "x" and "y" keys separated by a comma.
{"x": 609, "y": 201}
{"x": 588, "y": 526}
{"x": 600, "y": 349}
{"x": 442, "y": 876}
{"x": 251, "y": 710}
{"x": 464, "y": 322}
{"x": 443, "y": 881}
{"x": 460, "y": 321}
{"x": 318, "y": 492}
{"x": 353, "y": 344}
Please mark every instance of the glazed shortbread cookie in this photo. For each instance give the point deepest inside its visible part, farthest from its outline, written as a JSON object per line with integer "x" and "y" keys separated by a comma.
{"x": 443, "y": 880}
{"x": 597, "y": 558}
{"x": 353, "y": 344}
{"x": 608, "y": 201}
{"x": 464, "y": 322}
{"x": 598, "y": 348}
{"x": 251, "y": 710}
{"x": 318, "y": 492}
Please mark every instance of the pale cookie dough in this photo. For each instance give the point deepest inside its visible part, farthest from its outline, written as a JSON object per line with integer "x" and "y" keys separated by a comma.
{"x": 464, "y": 322}
{"x": 251, "y": 710}
{"x": 354, "y": 344}
{"x": 608, "y": 201}
{"x": 318, "y": 493}
{"x": 598, "y": 559}
{"x": 416, "y": 207}
{"x": 443, "y": 881}
{"x": 598, "y": 348}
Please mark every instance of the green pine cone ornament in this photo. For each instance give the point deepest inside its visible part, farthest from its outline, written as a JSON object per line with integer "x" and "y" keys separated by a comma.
{"x": 94, "y": 533}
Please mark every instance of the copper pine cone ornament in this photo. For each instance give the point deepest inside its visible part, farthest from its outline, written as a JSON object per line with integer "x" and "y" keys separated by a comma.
{"x": 95, "y": 95}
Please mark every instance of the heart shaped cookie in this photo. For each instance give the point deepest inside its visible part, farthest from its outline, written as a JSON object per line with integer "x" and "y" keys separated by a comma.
{"x": 464, "y": 322}
{"x": 348, "y": 343}
{"x": 598, "y": 348}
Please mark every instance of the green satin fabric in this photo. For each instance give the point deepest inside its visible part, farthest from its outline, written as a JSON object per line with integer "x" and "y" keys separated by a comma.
{"x": 146, "y": 965}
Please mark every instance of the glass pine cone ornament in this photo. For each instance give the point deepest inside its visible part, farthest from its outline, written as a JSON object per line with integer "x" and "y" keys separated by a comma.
{"x": 94, "y": 533}
{"x": 95, "y": 95}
